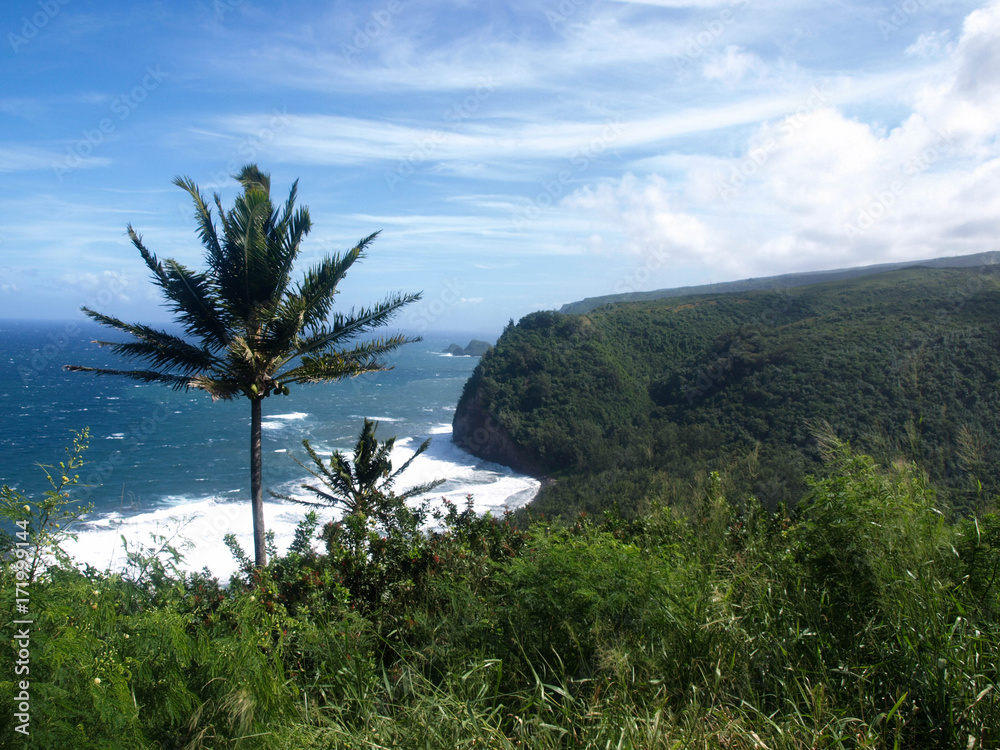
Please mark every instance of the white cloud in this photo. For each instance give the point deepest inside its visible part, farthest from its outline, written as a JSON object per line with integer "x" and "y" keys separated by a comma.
{"x": 647, "y": 209}
{"x": 821, "y": 189}
{"x": 21, "y": 158}
{"x": 102, "y": 287}
{"x": 931, "y": 45}
{"x": 969, "y": 105}
{"x": 508, "y": 145}
{"x": 682, "y": 3}
{"x": 733, "y": 65}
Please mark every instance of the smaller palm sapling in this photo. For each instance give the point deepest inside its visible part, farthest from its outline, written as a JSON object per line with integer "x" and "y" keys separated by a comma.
{"x": 362, "y": 486}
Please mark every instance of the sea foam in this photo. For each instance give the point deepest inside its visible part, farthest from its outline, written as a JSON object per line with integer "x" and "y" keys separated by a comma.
{"x": 196, "y": 525}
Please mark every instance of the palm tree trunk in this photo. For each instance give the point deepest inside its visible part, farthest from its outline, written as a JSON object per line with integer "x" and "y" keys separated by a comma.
{"x": 256, "y": 486}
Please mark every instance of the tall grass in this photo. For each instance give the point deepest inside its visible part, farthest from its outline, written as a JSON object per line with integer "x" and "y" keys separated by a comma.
{"x": 868, "y": 618}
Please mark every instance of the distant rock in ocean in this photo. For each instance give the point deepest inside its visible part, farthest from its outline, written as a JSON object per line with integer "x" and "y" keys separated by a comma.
{"x": 476, "y": 348}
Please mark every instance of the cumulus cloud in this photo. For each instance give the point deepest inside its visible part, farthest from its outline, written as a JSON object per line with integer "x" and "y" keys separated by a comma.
{"x": 646, "y": 207}
{"x": 822, "y": 188}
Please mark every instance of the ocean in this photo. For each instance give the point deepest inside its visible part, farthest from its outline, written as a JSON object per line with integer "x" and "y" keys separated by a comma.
{"x": 175, "y": 465}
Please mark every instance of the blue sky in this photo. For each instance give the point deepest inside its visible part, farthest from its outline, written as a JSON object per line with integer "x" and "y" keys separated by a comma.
{"x": 516, "y": 156}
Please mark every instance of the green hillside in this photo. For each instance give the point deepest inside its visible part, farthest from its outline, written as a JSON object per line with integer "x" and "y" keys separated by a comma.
{"x": 783, "y": 281}
{"x": 637, "y": 400}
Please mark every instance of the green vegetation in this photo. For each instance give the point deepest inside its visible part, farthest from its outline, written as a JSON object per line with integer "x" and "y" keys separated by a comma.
{"x": 784, "y": 281}
{"x": 257, "y": 334}
{"x": 635, "y": 403}
{"x": 868, "y": 617}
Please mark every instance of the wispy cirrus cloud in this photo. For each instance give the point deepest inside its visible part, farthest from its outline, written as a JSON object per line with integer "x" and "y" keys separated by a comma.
{"x": 23, "y": 158}
{"x": 339, "y": 140}
{"x": 718, "y": 138}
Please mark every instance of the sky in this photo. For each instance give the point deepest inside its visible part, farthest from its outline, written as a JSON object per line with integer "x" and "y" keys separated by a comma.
{"x": 515, "y": 156}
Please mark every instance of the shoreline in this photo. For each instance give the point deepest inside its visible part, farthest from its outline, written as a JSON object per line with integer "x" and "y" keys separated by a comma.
{"x": 197, "y": 525}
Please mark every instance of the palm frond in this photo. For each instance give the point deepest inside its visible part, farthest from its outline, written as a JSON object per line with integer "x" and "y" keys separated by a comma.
{"x": 203, "y": 215}
{"x": 421, "y": 489}
{"x": 289, "y": 498}
{"x": 344, "y": 328}
{"x": 319, "y": 285}
{"x": 280, "y": 331}
{"x": 176, "y": 382}
{"x": 327, "y": 475}
{"x": 252, "y": 178}
{"x": 158, "y": 348}
{"x": 189, "y": 295}
{"x": 423, "y": 447}
{"x": 290, "y": 232}
{"x": 293, "y": 193}
{"x": 223, "y": 216}
{"x": 220, "y": 389}
{"x": 338, "y": 478}
{"x": 363, "y": 358}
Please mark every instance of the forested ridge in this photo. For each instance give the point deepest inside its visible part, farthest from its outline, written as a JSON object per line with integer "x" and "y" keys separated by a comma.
{"x": 782, "y": 281}
{"x": 638, "y": 400}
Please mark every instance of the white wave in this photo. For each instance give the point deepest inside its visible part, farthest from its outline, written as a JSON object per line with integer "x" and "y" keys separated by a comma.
{"x": 196, "y": 527}
{"x": 290, "y": 415}
{"x": 115, "y": 436}
{"x": 493, "y": 487}
{"x": 198, "y": 524}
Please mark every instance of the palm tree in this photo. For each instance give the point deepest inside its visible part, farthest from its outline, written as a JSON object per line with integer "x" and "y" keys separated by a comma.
{"x": 362, "y": 485}
{"x": 249, "y": 330}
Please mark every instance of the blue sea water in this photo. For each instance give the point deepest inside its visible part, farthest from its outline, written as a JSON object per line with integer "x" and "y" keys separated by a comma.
{"x": 174, "y": 462}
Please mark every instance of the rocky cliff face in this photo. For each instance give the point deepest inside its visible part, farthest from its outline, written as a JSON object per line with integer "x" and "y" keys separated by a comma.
{"x": 476, "y": 430}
